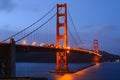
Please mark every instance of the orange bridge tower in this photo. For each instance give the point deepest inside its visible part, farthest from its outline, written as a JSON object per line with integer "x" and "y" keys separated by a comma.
{"x": 96, "y": 46}
{"x": 61, "y": 38}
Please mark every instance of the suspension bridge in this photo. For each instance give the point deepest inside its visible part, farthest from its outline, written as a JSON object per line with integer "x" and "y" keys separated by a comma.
{"x": 62, "y": 39}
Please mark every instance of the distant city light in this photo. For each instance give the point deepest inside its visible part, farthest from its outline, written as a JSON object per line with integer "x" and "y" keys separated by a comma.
{"x": 68, "y": 51}
{"x": 68, "y": 47}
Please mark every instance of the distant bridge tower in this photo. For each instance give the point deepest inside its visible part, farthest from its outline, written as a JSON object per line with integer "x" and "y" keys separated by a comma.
{"x": 61, "y": 38}
{"x": 96, "y": 46}
{"x": 96, "y": 59}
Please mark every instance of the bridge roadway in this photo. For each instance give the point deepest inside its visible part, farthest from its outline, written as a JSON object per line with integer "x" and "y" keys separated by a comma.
{"x": 30, "y": 48}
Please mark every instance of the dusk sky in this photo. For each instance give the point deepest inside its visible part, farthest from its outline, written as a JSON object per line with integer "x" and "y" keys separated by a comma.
{"x": 94, "y": 19}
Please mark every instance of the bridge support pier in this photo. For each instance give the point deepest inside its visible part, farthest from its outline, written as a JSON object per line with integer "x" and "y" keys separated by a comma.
{"x": 62, "y": 63}
{"x": 96, "y": 59}
{"x": 7, "y": 59}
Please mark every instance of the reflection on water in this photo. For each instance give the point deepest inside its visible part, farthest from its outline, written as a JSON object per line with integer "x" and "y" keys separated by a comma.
{"x": 42, "y": 70}
{"x": 103, "y": 71}
{"x": 65, "y": 77}
{"x": 74, "y": 76}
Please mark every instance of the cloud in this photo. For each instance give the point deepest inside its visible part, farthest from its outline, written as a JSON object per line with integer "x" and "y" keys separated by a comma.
{"x": 6, "y": 26}
{"x": 32, "y": 8}
{"x": 117, "y": 40}
{"x": 105, "y": 30}
{"x": 108, "y": 36}
{"x": 89, "y": 26}
{"x": 5, "y": 33}
{"x": 6, "y": 5}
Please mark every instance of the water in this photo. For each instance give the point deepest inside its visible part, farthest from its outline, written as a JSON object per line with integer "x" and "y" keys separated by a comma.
{"x": 103, "y": 71}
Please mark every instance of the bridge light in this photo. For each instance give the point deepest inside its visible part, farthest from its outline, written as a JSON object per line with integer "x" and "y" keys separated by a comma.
{"x": 68, "y": 47}
{"x": 68, "y": 51}
{"x": 42, "y": 44}
{"x": 34, "y": 43}
{"x": 24, "y": 42}
{"x": 56, "y": 46}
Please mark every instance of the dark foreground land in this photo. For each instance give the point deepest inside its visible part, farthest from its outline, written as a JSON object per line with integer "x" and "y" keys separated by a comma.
{"x": 23, "y": 78}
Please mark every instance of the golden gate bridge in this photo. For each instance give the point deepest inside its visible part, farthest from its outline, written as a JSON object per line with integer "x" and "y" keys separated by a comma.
{"x": 61, "y": 45}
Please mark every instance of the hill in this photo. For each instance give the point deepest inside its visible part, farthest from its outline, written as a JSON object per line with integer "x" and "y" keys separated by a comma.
{"x": 109, "y": 57}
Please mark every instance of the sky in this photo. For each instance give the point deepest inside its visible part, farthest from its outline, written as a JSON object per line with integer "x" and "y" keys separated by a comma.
{"x": 94, "y": 19}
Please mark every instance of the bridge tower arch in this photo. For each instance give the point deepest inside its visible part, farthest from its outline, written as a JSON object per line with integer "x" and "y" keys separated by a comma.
{"x": 61, "y": 57}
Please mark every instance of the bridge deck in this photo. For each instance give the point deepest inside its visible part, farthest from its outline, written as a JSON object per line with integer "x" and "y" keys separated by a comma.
{"x": 30, "y": 48}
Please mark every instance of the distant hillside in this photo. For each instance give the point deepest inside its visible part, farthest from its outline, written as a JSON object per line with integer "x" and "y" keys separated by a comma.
{"x": 72, "y": 57}
{"x": 108, "y": 56}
